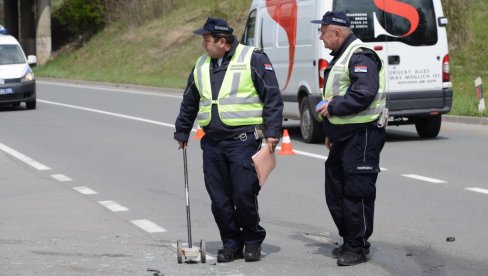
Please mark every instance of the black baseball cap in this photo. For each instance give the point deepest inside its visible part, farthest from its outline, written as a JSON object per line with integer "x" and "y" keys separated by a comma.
{"x": 334, "y": 18}
{"x": 214, "y": 25}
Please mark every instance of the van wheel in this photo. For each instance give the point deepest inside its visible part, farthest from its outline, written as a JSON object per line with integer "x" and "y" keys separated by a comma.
{"x": 30, "y": 105}
{"x": 429, "y": 127}
{"x": 310, "y": 128}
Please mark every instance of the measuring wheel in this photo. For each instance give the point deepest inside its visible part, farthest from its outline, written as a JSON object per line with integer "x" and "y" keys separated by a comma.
{"x": 179, "y": 251}
{"x": 203, "y": 251}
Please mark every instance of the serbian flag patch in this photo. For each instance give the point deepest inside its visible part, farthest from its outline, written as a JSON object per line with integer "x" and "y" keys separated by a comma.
{"x": 268, "y": 67}
{"x": 360, "y": 69}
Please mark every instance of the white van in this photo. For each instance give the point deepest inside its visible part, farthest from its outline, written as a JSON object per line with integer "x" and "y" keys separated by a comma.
{"x": 17, "y": 83}
{"x": 410, "y": 36}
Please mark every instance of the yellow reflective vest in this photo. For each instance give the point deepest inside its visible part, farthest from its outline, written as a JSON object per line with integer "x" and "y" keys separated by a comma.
{"x": 338, "y": 82}
{"x": 238, "y": 102}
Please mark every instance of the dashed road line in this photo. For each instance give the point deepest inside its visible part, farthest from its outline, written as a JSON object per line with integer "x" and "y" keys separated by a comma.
{"x": 24, "y": 158}
{"x": 478, "y": 190}
{"x": 148, "y": 226}
{"x": 85, "y": 190}
{"x": 424, "y": 178}
{"x": 61, "y": 177}
{"x": 113, "y": 206}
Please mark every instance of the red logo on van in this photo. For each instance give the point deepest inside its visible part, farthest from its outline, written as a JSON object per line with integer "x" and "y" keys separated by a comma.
{"x": 284, "y": 12}
{"x": 401, "y": 9}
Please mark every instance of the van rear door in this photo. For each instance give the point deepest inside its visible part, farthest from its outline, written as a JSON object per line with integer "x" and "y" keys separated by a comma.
{"x": 406, "y": 36}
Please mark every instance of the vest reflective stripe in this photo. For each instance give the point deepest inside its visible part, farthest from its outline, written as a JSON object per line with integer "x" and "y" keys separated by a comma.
{"x": 238, "y": 101}
{"x": 338, "y": 82}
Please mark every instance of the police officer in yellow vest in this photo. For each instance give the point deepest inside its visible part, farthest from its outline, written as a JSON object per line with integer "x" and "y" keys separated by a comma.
{"x": 231, "y": 90}
{"x": 354, "y": 135}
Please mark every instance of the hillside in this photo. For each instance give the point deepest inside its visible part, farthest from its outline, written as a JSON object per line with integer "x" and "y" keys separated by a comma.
{"x": 161, "y": 52}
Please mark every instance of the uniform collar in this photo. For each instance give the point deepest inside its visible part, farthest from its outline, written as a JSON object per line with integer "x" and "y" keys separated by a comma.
{"x": 344, "y": 46}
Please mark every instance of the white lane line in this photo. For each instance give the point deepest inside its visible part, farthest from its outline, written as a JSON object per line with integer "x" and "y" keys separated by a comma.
{"x": 113, "y": 206}
{"x": 26, "y": 159}
{"x": 61, "y": 177}
{"x": 148, "y": 226}
{"x": 185, "y": 245}
{"x": 160, "y": 94}
{"x": 478, "y": 190}
{"x": 85, "y": 190}
{"x": 109, "y": 113}
{"x": 424, "y": 178}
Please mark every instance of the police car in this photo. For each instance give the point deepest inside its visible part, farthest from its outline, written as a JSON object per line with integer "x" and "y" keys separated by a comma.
{"x": 17, "y": 83}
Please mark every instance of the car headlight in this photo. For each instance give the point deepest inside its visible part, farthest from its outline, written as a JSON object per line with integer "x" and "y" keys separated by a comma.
{"x": 28, "y": 77}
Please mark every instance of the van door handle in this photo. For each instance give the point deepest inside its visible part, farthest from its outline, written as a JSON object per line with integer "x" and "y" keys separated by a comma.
{"x": 393, "y": 60}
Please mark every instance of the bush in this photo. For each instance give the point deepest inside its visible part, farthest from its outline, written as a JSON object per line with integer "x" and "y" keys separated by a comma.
{"x": 76, "y": 19}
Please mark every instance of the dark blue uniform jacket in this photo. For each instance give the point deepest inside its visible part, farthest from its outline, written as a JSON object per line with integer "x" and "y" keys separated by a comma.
{"x": 265, "y": 83}
{"x": 360, "y": 94}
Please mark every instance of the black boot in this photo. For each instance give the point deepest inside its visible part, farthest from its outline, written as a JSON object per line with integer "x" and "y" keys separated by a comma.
{"x": 339, "y": 251}
{"x": 351, "y": 258}
{"x": 227, "y": 254}
{"x": 253, "y": 253}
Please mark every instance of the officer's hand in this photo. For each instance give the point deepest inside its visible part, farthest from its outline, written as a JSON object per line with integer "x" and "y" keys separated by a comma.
{"x": 182, "y": 144}
{"x": 323, "y": 109}
{"x": 272, "y": 143}
{"x": 328, "y": 143}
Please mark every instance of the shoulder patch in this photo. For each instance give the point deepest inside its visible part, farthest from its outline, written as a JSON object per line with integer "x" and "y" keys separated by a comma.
{"x": 268, "y": 66}
{"x": 360, "y": 69}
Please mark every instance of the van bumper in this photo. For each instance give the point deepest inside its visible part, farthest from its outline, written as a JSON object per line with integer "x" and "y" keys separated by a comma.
{"x": 419, "y": 103}
{"x": 11, "y": 93}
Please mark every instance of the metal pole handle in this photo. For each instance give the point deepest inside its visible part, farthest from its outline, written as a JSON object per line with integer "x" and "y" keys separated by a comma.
{"x": 187, "y": 195}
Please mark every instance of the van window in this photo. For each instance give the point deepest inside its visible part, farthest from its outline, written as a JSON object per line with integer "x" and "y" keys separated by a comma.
{"x": 248, "y": 36}
{"x": 411, "y": 22}
{"x": 11, "y": 54}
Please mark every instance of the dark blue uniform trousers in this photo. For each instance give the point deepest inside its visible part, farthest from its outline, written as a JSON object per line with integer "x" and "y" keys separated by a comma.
{"x": 351, "y": 171}
{"x": 233, "y": 186}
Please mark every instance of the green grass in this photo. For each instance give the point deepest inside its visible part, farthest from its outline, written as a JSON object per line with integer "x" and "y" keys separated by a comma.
{"x": 158, "y": 53}
{"x": 469, "y": 61}
{"x": 162, "y": 52}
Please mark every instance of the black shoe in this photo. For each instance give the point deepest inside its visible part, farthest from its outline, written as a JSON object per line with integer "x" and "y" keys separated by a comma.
{"x": 227, "y": 254}
{"x": 351, "y": 258}
{"x": 253, "y": 253}
{"x": 339, "y": 251}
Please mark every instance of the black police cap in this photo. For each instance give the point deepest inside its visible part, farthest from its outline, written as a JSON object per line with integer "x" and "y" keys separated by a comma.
{"x": 334, "y": 18}
{"x": 214, "y": 25}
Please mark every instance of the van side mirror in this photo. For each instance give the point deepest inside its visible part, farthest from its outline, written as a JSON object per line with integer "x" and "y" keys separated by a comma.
{"x": 32, "y": 60}
{"x": 442, "y": 21}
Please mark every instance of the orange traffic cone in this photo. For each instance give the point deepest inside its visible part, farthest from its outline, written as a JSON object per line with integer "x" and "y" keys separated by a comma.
{"x": 286, "y": 147}
{"x": 199, "y": 134}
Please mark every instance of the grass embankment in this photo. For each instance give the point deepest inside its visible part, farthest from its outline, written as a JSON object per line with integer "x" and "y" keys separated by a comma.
{"x": 161, "y": 52}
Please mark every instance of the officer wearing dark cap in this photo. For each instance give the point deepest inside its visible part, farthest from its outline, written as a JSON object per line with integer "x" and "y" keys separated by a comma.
{"x": 232, "y": 90}
{"x": 354, "y": 89}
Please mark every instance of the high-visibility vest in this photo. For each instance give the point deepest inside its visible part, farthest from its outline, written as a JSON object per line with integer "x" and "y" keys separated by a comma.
{"x": 338, "y": 82}
{"x": 238, "y": 101}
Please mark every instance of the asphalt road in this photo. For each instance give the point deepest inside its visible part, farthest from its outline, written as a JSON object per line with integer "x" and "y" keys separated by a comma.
{"x": 92, "y": 184}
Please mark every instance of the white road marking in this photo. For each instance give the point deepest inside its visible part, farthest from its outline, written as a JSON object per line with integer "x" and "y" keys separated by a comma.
{"x": 148, "y": 226}
{"x": 131, "y": 91}
{"x": 478, "y": 190}
{"x": 185, "y": 245}
{"x": 109, "y": 113}
{"x": 85, "y": 190}
{"x": 424, "y": 178}
{"x": 61, "y": 177}
{"x": 26, "y": 159}
{"x": 113, "y": 206}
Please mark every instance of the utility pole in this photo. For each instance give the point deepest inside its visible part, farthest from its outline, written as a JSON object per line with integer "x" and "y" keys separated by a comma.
{"x": 43, "y": 32}
{"x": 11, "y": 17}
{"x": 28, "y": 26}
